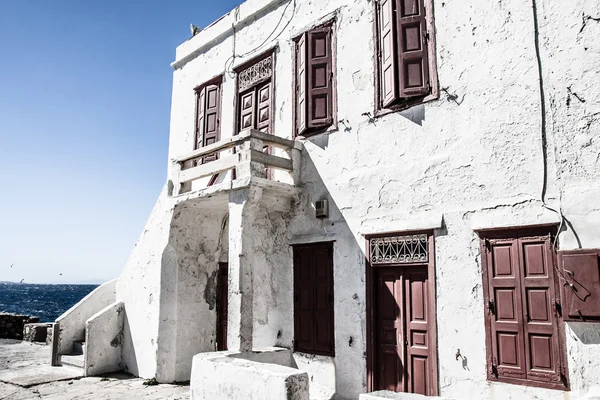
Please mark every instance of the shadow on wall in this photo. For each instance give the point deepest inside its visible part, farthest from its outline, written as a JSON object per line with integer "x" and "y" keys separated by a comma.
{"x": 349, "y": 262}
{"x": 131, "y": 364}
{"x": 586, "y": 332}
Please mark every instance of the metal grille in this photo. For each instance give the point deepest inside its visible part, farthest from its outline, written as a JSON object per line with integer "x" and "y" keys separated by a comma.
{"x": 258, "y": 72}
{"x": 399, "y": 249}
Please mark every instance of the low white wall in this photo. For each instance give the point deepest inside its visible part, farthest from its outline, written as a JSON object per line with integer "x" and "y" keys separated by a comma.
{"x": 104, "y": 340}
{"x": 72, "y": 322}
{"x": 248, "y": 376}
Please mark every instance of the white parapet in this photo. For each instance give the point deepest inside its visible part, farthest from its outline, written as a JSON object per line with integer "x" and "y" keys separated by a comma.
{"x": 104, "y": 340}
{"x": 257, "y": 375}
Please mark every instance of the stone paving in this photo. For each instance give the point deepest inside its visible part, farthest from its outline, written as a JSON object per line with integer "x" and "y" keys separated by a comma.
{"x": 25, "y": 373}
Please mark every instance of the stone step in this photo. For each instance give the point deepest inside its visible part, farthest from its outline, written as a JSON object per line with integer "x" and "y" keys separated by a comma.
{"x": 72, "y": 360}
{"x": 318, "y": 392}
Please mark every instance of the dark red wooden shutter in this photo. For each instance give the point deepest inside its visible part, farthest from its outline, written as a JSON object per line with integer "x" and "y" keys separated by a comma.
{"x": 301, "y": 109}
{"x": 200, "y": 110}
{"x": 323, "y": 302}
{"x": 320, "y": 78}
{"x": 539, "y": 296}
{"x": 504, "y": 309}
{"x": 264, "y": 101}
{"x": 387, "y": 58}
{"x": 412, "y": 48}
{"x": 580, "y": 284}
{"x": 212, "y": 118}
{"x": 247, "y": 109}
{"x": 303, "y": 300}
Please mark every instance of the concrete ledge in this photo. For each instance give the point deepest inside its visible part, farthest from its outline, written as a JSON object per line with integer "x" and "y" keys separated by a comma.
{"x": 256, "y": 375}
{"x": 384, "y": 394}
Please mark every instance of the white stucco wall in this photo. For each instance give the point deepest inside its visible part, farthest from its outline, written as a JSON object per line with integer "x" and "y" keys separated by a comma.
{"x": 197, "y": 233}
{"x": 104, "y": 340}
{"x": 139, "y": 289}
{"x": 169, "y": 287}
{"x": 477, "y": 162}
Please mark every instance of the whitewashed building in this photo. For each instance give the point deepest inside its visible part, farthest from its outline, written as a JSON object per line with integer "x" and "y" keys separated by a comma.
{"x": 402, "y": 193}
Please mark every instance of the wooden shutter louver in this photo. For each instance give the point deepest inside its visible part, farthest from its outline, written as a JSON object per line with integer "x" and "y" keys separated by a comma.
{"x": 320, "y": 78}
{"x": 301, "y": 109}
{"x": 580, "y": 284}
{"x": 211, "y": 118}
{"x": 388, "y": 78}
{"x": 200, "y": 110}
{"x": 521, "y": 316}
{"x": 412, "y": 48}
{"x": 314, "y": 80}
{"x": 208, "y": 117}
{"x": 505, "y": 311}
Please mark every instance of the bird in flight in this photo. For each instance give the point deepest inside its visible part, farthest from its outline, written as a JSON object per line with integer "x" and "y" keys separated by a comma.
{"x": 22, "y": 280}
{"x": 60, "y": 274}
{"x": 11, "y": 265}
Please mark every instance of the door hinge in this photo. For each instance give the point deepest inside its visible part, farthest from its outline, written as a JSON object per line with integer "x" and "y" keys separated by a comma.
{"x": 494, "y": 368}
{"x": 556, "y": 307}
{"x": 491, "y": 307}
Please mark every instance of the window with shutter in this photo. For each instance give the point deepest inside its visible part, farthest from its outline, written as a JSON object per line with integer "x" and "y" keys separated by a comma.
{"x": 313, "y": 299}
{"x": 522, "y": 321}
{"x": 406, "y": 61}
{"x": 255, "y": 94}
{"x": 314, "y": 81}
{"x": 208, "y": 110}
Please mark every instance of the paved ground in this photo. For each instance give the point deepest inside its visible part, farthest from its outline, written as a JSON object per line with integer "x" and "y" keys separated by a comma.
{"x": 25, "y": 373}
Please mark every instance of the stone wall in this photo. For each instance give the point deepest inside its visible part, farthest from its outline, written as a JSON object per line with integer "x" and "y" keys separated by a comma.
{"x": 11, "y": 325}
{"x": 36, "y": 332}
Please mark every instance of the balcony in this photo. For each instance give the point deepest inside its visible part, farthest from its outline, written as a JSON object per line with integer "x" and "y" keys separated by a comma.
{"x": 245, "y": 156}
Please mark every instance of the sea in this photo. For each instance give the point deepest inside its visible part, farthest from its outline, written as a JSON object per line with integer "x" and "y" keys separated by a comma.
{"x": 47, "y": 302}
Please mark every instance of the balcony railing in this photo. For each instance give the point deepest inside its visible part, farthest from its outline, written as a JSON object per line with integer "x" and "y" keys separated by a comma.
{"x": 244, "y": 153}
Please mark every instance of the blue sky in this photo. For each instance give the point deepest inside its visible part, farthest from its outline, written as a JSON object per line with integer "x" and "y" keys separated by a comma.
{"x": 85, "y": 92}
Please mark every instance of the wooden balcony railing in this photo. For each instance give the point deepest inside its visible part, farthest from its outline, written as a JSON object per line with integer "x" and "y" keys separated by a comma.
{"x": 248, "y": 159}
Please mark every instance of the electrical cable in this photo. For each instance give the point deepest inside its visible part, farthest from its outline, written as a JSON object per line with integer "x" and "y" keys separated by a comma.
{"x": 230, "y": 61}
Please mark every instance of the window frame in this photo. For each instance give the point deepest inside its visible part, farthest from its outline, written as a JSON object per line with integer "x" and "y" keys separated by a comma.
{"x": 380, "y": 110}
{"x": 296, "y": 347}
{"x": 309, "y": 132}
{"x": 538, "y": 232}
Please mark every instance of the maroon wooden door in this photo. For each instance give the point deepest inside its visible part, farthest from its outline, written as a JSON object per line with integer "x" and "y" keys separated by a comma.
{"x": 313, "y": 299}
{"x": 403, "y": 347}
{"x": 389, "y": 317}
{"x": 418, "y": 348}
{"x": 222, "y": 306}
